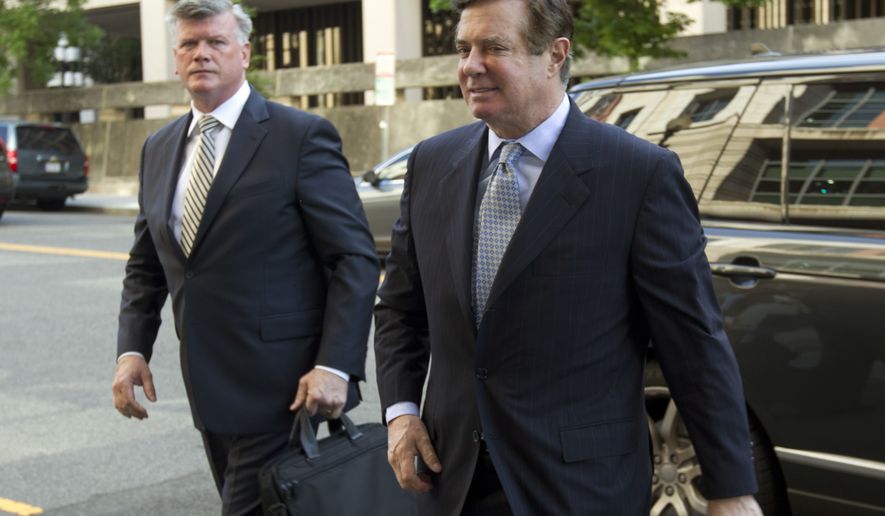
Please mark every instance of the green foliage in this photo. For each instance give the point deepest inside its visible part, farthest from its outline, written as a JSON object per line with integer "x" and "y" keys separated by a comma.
{"x": 29, "y": 32}
{"x": 628, "y": 28}
{"x": 440, "y": 5}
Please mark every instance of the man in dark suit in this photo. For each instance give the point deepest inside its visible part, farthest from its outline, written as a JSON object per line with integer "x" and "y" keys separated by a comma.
{"x": 536, "y": 254}
{"x": 250, "y": 220}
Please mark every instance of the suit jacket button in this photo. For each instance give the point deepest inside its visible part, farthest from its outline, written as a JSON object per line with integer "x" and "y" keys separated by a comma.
{"x": 482, "y": 373}
{"x": 476, "y": 436}
{"x": 188, "y": 275}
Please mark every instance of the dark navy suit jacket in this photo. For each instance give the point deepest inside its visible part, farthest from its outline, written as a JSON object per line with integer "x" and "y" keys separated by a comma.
{"x": 609, "y": 254}
{"x": 282, "y": 275}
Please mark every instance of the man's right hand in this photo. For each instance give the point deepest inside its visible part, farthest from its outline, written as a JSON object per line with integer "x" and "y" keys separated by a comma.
{"x": 406, "y": 439}
{"x": 132, "y": 370}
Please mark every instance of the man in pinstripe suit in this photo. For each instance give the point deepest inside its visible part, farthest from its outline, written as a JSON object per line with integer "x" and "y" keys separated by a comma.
{"x": 591, "y": 238}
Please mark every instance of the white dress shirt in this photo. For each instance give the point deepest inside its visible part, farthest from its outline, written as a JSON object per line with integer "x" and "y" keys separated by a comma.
{"x": 539, "y": 144}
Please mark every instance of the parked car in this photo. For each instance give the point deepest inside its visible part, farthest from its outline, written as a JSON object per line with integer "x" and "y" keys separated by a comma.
{"x": 380, "y": 188}
{"x": 48, "y": 160}
{"x": 7, "y": 180}
{"x": 786, "y": 156}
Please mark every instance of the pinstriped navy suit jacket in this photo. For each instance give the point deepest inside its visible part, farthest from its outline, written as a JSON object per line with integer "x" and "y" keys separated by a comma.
{"x": 609, "y": 254}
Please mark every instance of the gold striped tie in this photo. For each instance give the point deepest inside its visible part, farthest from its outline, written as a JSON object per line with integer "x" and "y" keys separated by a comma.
{"x": 200, "y": 181}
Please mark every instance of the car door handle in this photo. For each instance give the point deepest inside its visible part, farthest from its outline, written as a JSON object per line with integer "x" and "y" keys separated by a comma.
{"x": 743, "y": 271}
{"x": 732, "y": 270}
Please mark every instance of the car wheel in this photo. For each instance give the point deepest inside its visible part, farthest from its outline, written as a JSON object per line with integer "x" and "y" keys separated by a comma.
{"x": 677, "y": 473}
{"x": 51, "y": 204}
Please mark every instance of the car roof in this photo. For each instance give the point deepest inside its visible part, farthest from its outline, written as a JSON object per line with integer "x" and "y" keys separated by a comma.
{"x": 769, "y": 66}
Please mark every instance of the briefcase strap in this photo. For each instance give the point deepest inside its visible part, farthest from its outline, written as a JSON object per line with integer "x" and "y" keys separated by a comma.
{"x": 307, "y": 438}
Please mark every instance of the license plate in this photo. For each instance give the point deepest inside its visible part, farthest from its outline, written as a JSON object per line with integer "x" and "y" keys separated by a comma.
{"x": 53, "y": 167}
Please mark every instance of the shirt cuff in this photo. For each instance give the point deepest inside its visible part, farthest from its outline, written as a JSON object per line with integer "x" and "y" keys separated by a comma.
{"x": 403, "y": 408}
{"x": 130, "y": 354}
{"x": 342, "y": 374}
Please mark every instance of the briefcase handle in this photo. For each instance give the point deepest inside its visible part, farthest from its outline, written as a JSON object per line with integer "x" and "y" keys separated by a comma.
{"x": 307, "y": 438}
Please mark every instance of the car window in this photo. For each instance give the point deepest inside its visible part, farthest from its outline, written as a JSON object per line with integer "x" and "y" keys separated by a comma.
{"x": 44, "y": 138}
{"x": 4, "y": 134}
{"x": 393, "y": 171}
{"x": 836, "y": 168}
{"x": 695, "y": 121}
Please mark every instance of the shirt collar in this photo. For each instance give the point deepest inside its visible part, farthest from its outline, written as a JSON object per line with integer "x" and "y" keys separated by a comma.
{"x": 227, "y": 113}
{"x": 540, "y": 140}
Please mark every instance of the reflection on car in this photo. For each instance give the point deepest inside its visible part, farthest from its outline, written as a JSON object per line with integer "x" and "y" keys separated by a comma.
{"x": 786, "y": 157}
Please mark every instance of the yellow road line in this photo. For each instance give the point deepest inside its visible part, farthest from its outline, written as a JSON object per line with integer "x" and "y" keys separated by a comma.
{"x": 63, "y": 251}
{"x": 18, "y": 508}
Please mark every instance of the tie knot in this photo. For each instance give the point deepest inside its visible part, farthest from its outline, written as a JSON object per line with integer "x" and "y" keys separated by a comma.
{"x": 208, "y": 124}
{"x": 510, "y": 153}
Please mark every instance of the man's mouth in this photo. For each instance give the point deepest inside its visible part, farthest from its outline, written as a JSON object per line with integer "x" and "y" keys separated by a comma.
{"x": 482, "y": 90}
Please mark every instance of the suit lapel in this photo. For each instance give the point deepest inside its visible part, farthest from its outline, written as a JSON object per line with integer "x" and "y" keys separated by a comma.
{"x": 178, "y": 141}
{"x": 457, "y": 191}
{"x": 244, "y": 141}
{"x": 556, "y": 198}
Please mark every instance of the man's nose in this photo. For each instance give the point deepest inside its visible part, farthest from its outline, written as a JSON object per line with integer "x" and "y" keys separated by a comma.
{"x": 473, "y": 64}
{"x": 201, "y": 52}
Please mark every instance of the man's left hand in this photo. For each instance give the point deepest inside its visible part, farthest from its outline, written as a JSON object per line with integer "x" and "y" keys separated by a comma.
{"x": 739, "y": 506}
{"x": 321, "y": 390}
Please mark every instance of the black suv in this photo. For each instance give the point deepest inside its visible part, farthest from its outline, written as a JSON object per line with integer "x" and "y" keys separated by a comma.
{"x": 48, "y": 160}
{"x": 786, "y": 156}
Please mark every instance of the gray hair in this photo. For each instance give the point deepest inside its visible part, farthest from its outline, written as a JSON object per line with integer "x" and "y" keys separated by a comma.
{"x": 202, "y": 9}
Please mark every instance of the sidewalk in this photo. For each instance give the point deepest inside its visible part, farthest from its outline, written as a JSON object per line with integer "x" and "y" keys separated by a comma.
{"x": 126, "y": 205}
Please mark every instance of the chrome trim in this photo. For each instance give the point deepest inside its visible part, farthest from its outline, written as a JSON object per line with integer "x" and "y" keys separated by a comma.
{"x": 840, "y": 463}
{"x": 834, "y": 500}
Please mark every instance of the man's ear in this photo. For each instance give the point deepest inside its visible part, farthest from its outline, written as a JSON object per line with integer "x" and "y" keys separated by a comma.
{"x": 247, "y": 53}
{"x": 559, "y": 50}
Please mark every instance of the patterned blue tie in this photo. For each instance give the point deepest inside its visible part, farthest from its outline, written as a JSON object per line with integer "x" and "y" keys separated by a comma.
{"x": 499, "y": 213}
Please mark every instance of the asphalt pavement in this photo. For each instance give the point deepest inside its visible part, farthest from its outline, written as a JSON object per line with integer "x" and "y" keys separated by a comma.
{"x": 104, "y": 203}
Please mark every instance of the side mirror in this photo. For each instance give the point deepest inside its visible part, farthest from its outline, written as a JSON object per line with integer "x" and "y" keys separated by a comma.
{"x": 369, "y": 177}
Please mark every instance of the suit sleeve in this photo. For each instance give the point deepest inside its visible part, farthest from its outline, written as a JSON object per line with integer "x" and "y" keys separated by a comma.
{"x": 144, "y": 286}
{"x": 402, "y": 350}
{"x": 336, "y": 224}
{"x": 675, "y": 289}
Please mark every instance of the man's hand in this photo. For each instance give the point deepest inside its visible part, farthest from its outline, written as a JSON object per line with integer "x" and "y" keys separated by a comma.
{"x": 406, "y": 439}
{"x": 321, "y": 390}
{"x": 132, "y": 370}
{"x": 739, "y": 506}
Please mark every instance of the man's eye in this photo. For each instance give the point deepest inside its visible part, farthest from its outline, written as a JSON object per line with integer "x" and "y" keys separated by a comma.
{"x": 463, "y": 52}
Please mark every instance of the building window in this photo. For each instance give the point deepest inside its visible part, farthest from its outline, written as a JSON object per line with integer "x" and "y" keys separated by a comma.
{"x": 311, "y": 36}
{"x": 625, "y": 119}
{"x": 834, "y": 182}
{"x": 705, "y": 107}
{"x": 853, "y": 108}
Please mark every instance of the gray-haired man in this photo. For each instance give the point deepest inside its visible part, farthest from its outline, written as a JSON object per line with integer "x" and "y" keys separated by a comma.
{"x": 250, "y": 221}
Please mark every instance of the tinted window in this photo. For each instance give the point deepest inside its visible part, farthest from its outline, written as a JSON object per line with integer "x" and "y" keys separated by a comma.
{"x": 53, "y": 139}
{"x": 3, "y": 133}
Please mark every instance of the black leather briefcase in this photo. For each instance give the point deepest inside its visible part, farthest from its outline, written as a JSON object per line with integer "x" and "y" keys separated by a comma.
{"x": 344, "y": 474}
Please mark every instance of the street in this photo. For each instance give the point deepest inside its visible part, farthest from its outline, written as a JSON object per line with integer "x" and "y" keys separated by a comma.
{"x": 63, "y": 447}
